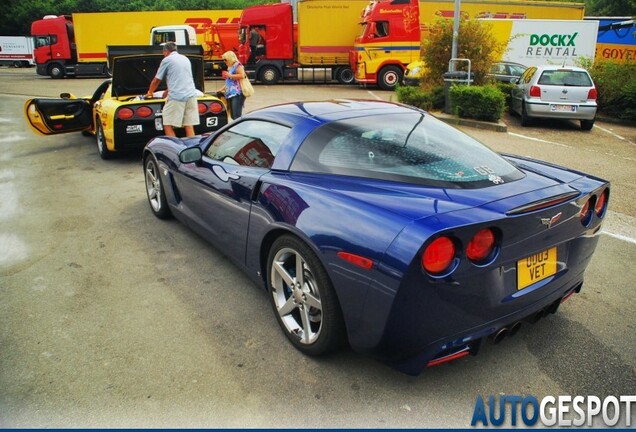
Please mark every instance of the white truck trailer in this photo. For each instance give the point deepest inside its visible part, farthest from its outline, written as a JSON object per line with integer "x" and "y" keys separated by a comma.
{"x": 16, "y": 51}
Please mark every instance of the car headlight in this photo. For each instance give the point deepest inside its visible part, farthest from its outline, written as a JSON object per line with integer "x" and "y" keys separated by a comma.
{"x": 414, "y": 71}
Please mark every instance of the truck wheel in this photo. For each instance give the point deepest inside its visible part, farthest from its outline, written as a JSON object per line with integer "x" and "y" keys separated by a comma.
{"x": 56, "y": 71}
{"x": 344, "y": 75}
{"x": 17, "y": 64}
{"x": 268, "y": 75}
{"x": 389, "y": 77}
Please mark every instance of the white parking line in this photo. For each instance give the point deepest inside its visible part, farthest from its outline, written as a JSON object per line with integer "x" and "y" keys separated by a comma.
{"x": 568, "y": 146}
{"x": 374, "y": 95}
{"x": 538, "y": 139}
{"x": 620, "y": 226}
{"x": 620, "y": 237}
{"x": 613, "y": 134}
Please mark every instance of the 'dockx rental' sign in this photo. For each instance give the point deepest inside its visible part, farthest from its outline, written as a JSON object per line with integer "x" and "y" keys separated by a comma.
{"x": 538, "y": 42}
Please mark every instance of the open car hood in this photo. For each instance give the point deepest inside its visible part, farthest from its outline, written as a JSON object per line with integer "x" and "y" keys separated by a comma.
{"x": 134, "y": 66}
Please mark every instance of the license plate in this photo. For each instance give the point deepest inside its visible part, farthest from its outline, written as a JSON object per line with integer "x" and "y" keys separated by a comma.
{"x": 211, "y": 121}
{"x": 133, "y": 129}
{"x": 537, "y": 267}
{"x": 158, "y": 123}
{"x": 566, "y": 108}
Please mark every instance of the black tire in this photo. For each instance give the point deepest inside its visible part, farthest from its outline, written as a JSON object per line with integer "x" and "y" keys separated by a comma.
{"x": 306, "y": 308}
{"x": 587, "y": 125}
{"x": 389, "y": 77}
{"x": 154, "y": 189}
{"x": 269, "y": 75}
{"x": 525, "y": 120}
{"x": 56, "y": 71}
{"x": 104, "y": 153}
{"x": 17, "y": 64}
{"x": 344, "y": 75}
{"x": 511, "y": 109}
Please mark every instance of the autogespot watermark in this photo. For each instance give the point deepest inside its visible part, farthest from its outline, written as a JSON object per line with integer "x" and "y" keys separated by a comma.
{"x": 553, "y": 410}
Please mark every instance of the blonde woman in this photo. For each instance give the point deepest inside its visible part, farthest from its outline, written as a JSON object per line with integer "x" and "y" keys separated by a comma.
{"x": 233, "y": 75}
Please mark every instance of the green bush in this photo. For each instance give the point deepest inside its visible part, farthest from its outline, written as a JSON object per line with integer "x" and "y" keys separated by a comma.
{"x": 478, "y": 102}
{"x": 506, "y": 89}
{"x": 616, "y": 86}
{"x": 414, "y": 96}
{"x": 438, "y": 97}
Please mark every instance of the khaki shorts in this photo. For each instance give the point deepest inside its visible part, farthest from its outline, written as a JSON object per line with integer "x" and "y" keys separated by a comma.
{"x": 179, "y": 114}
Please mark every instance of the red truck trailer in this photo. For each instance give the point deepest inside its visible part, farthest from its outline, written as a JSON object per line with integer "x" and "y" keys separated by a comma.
{"x": 315, "y": 49}
{"x": 75, "y": 45}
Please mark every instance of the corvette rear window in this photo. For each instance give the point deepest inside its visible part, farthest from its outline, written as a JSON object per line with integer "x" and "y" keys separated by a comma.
{"x": 413, "y": 147}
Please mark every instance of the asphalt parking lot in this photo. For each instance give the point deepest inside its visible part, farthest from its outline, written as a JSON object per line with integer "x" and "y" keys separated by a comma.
{"x": 113, "y": 318}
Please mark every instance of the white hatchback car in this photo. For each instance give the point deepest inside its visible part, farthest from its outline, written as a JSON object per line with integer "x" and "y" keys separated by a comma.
{"x": 555, "y": 92}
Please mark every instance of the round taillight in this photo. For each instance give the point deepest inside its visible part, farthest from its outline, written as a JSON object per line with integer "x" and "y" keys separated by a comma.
{"x": 586, "y": 212}
{"x": 216, "y": 107}
{"x": 481, "y": 245}
{"x": 601, "y": 204}
{"x": 144, "y": 111}
{"x": 125, "y": 114}
{"x": 439, "y": 255}
{"x": 203, "y": 108}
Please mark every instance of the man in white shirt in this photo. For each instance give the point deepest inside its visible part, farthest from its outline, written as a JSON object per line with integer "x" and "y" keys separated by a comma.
{"x": 180, "y": 109}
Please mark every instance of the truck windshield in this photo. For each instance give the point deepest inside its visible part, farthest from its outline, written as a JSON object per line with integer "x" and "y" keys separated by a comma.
{"x": 42, "y": 41}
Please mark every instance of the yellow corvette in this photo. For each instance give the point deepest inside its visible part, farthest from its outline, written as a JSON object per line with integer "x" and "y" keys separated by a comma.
{"x": 117, "y": 113}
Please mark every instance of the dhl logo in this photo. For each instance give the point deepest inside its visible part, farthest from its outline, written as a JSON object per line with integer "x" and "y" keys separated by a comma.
{"x": 486, "y": 14}
{"x": 502, "y": 15}
{"x": 450, "y": 14}
{"x": 201, "y": 25}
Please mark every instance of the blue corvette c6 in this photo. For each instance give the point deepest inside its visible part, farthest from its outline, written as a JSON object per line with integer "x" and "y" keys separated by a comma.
{"x": 377, "y": 225}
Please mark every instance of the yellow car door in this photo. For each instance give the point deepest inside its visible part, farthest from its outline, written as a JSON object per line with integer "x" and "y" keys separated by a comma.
{"x": 58, "y": 116}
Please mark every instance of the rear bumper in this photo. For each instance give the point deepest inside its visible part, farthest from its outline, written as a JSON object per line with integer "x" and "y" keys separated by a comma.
{"x": 411, "y": 81}
{"x": 134, "y": 134}
{"x": 544, "y": 110}
{"x": 470, "y": 341}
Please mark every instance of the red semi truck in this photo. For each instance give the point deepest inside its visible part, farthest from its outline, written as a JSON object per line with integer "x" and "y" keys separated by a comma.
{"x": 75, "y": 45}
{"x": 315, "y": 49}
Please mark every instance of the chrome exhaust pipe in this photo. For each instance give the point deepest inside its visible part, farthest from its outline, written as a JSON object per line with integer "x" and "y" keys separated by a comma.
{"x": 514, "y": 328}
{"x": 499, "y": 335}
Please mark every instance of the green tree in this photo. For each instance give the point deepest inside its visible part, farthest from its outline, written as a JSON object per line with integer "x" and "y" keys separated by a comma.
{"x": 475, "y": 42}
{"x": 610, "y": 8}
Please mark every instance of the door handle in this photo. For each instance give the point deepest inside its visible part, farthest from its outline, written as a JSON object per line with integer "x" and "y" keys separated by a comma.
{"x": 62, "y": 117}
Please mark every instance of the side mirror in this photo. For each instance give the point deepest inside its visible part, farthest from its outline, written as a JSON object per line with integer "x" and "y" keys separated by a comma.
{"x": 191, "y": 155}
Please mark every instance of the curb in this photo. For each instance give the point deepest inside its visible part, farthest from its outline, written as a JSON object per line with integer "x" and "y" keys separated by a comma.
{"x": 478, "y": 124}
